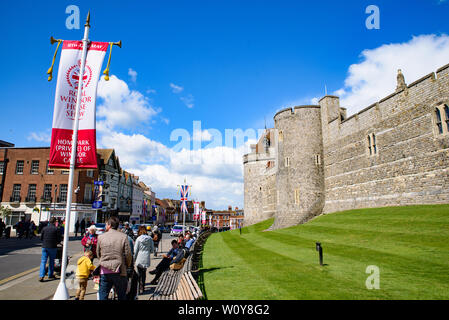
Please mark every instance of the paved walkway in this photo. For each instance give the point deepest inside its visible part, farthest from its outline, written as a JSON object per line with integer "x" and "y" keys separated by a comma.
{"x": 25, "y": 285}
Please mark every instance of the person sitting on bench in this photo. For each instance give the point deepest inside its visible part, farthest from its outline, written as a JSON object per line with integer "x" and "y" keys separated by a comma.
{"x": 169, "y": 258}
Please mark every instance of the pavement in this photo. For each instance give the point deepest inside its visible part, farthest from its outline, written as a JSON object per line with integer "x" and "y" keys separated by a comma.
{"x": 22, "y": 282}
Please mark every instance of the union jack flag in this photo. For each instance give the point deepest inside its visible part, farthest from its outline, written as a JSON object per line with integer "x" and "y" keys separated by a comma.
{"x": 184, "y": 196}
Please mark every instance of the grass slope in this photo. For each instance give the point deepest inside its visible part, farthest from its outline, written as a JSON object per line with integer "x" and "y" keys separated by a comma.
{"x": 410, "y": 245}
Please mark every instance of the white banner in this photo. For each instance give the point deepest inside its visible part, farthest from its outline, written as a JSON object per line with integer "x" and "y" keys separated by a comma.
{"x": 65, "y": 103}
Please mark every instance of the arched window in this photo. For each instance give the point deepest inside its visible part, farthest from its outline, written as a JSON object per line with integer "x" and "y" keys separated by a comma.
{"x": 446, "y": 112}
{"x": 438, "y": 118}
{"x": 372, "y": 145}
{"x": 442, "y": 119}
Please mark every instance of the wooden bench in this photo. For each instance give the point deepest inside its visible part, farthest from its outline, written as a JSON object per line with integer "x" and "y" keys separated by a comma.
{"x": 178, "y": 284}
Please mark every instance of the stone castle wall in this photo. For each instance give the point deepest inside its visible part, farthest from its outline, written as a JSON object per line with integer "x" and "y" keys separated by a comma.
{"x": 331, "y": 164}
{"x": 412, "y": 160}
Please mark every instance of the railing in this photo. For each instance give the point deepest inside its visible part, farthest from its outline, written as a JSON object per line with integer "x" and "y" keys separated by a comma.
{"x": 30, "y": 199}
{"x": 15, "y": 199}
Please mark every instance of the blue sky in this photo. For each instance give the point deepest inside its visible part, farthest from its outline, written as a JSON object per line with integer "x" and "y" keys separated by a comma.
{"x": 237, "y": 62}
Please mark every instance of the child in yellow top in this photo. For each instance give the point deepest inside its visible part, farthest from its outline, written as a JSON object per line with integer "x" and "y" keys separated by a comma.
{"x": 85, "y": 267}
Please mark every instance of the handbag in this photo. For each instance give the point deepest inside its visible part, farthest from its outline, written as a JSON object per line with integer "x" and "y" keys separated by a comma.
{"x": 96, "y": 272}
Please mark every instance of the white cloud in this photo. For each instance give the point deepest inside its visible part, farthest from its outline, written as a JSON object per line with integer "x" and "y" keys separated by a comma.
{"x": 188, "y": 101}
{"x": 40, "y": 136}
{"x": 120, "y": 106}
{"x": 175, "y": 88}
{"x": 375, "y": 77}
{"x": 133, "y": 75}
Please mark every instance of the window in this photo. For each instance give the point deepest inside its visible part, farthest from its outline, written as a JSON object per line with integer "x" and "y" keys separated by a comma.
{"x": 317, "y": 160}
{"x": 2, "y": 166}
{"x": 15, "y": 197}
{"x": 62, "y": 193}
{"x": 90, "y": 173}
{"x": 48, "y": 170}
{"x": 287, "y": 161}
{"x": 281, "y": 136}
{"x": 19, "y": 167}
{"x": 47, "y": 193}
{"x": 446, "y": 112}
{"x": 88, "y": 192}
{"x": 296, "y": 196}
{"x": 372, "y": 145}
{"x": 442, "y": 119}
{"x": 31, "y": 193}
{"x": 35, "y": 167}
{"x": 65, "y": 171}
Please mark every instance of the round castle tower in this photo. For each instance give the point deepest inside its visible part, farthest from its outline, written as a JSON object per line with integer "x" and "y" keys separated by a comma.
{"x": 300, "y": 176}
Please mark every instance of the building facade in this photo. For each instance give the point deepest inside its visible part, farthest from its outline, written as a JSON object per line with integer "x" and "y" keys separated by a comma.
{"x": 317, "y": 160}
{"x": 34, "y": 191}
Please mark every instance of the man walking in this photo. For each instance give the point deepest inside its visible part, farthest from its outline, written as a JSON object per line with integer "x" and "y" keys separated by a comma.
{"x": 77, "y": 226}
{"x": 83, "y": 227}
{"x": 50, "y": 237}
{"x": 115, "y": 257}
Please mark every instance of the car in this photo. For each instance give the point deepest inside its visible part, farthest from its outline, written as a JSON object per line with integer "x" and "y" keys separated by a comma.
{"x": 177, "y": 230}
{"x": 101, "y": 228}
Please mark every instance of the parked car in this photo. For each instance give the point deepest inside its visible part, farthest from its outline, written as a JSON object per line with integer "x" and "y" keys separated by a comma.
{"x": 101, "y": 228}
{"x": 177, "y": 230}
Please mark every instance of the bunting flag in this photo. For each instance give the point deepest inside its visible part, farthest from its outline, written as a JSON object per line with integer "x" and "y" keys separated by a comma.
{"x": 203, "y": 217}
{"x": 65, "y": 102}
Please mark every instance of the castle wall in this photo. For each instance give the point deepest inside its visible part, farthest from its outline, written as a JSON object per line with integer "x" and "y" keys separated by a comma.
{"x": 259, "y": 188}
{"x": 299, "y": 179}
{"x": 411, "y": 166}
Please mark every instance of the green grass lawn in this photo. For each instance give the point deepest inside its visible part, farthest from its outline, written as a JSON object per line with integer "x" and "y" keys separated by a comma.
{"x": 409, "y": 245}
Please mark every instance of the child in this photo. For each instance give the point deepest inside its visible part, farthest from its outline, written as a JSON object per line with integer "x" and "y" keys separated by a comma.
{"x": 83, "y": 271}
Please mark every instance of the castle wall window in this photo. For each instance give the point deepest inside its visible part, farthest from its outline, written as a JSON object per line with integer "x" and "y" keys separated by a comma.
{"x": 442, "y": 119}
{"x": 446, "y": 112}
{"x": 317, "y": 160}
{"x": 296, "y": 196}
{"x": 372, "y": 145}
{"x": 287, "y": 161}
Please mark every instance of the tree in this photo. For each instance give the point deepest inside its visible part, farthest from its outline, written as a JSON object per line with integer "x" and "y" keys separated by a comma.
{"x": 5, "y": 212}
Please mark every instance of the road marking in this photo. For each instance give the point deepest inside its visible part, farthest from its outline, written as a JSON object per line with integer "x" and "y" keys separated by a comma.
{"x": 18, "y": 275}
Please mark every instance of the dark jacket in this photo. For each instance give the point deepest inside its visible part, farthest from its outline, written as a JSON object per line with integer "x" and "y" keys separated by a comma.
{"x": 50, "y": 236}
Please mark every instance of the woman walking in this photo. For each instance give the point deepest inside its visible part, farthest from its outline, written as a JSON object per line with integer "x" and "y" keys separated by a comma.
{"x": 89, "y": 241}
{"x": 143, "y": 248}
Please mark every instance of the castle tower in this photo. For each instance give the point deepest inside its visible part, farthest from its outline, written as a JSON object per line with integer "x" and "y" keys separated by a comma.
{"x": 300, "y": 177}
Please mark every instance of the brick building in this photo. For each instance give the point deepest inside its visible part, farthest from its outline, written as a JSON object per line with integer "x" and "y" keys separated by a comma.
{"x": 32, "y": 190}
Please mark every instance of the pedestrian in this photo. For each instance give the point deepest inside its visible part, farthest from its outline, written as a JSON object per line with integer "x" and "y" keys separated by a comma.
{"x": 50, "y": 237}
{"x": 83, "y": 226}
{"x": 19, "y": 226}
{"x": 77, "y": 226}
{"x": 83, "y": 270}
{"x": 143, "y": 248}
{"x": 157, "y": 236}
{"x": 115, "y": 257}
{"x": 127, "y": 230}
{"x": 2, "y": 227}
{"x": 26, "y": 228}
{"x": 32, "y": 229}
{"x": 90, "y": 241}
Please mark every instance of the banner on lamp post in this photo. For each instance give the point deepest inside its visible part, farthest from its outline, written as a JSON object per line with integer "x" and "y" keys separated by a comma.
{"x": 65, "y": 102}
